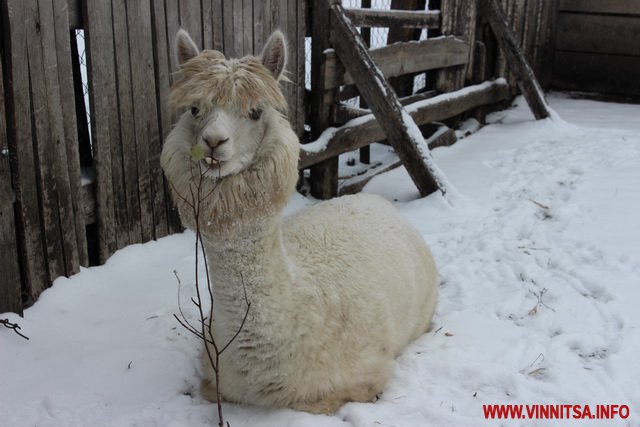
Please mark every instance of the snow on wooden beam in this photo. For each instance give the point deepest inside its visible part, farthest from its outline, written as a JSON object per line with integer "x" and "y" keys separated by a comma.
{"x": 393, "y": 18}
{"x": 364, "y": 130}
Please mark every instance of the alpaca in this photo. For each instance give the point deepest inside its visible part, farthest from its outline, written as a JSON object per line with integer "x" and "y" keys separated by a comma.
{"x": 336, "y": 290}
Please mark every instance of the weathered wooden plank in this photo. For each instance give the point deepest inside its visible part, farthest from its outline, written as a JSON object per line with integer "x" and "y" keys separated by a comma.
{"x": 592, "y": 72}
{"x": 381, "y": 99}
{"x": 622, "y": 7}
{"x": 248, "y": 23}
{"x": 515, "y": 18}
{"x": 46, "y": 140}
{"x": 56, "y": 196}
{"x": 102, "y": 92}
{"x": 397, "y": 18}
{"x": 532, "y": 22}
{"x": 526, "y": 79}
{"x": 55, "y": 45}
{"x": 148, "y": 140}
{"x": 172, "y": 18}
{"x": 404, "y": 58}
{"x": 458, "y": 18}
{"x": 324, "y": 175}
{"x": 356, "y": 184}
{"x": 190, "y": 13}
{"x": 298, "y": 75}
{"x": 124, "y": 172}
{"x": 403, "y": 85}
{"x": 68, "y": 109}
{"x": 19, "y": 134}
{"x": 10, "y": 282}
{"x": 162, "y": 63}
{"x": 237, "y": 30}
{"x": 289, "y": 23}
{"x": 162, "y": 66}
{"x": 260, "y": 9}
{"x": 546, "y": 41}
{"x": 365, "y": 32}
{"x": 365, "y": 130}
{"x": 217, "y": 23}
{"x": 207, "y": 24}
{"x": 228, "y": 28}
{"x": 599, "y": 34}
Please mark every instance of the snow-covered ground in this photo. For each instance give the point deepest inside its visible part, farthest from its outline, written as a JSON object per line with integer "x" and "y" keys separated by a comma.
{"x": 540, "y": 268}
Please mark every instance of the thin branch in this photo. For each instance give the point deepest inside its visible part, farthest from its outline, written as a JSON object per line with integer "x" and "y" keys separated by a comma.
{"x": 16, "y": 328}
{"x": 175, "y": 273}
{"x": 246, "y": 314}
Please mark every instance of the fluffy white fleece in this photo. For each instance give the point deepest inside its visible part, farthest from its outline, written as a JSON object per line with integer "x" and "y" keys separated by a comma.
{"x": 336, "y": 291}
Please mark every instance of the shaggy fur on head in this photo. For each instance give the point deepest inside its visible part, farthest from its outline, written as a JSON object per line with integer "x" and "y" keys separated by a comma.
{"x": 210, "y": 79}
{"x": 336, "y": 291}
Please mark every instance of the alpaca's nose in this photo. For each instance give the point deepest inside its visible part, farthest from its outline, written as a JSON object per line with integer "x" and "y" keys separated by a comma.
{"x": 213, "y": 139}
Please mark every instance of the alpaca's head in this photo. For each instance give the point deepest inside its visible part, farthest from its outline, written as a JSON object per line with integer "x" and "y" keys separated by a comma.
{"x": 232, "y": 100}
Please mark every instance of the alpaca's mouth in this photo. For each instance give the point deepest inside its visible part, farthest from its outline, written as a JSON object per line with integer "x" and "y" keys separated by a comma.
{"x": 211, "y": 166}
{"x": 210, "y": 161}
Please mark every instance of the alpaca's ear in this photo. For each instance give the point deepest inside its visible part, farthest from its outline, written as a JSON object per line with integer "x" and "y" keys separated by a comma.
{"x": 185, "y": 47}
{"x": 274, "y": 54}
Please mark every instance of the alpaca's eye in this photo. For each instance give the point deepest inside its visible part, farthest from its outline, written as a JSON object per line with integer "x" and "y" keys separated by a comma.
{"x": 194, "y": 111}
{"x": 255, "y": 114}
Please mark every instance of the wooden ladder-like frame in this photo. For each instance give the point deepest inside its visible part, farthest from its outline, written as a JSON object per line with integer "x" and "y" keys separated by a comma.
{"x": 397, "y": 124}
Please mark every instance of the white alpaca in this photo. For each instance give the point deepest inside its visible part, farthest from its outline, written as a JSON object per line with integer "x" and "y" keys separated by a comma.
{"x": 336, "y": 291}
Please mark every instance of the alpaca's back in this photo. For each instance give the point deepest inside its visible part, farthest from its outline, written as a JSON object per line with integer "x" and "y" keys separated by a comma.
{"x": 366, "y": 264}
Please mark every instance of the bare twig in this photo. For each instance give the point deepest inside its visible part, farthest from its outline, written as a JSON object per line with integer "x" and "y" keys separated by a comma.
{"x": 246, "y": 313}
{"x": 205, "y": 330}
{"x": 545, "y": 207}
{"x": 16, "y": 328}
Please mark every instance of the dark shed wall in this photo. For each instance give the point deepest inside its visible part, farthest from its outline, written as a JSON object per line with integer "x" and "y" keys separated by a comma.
{"x": 598, "y": 46}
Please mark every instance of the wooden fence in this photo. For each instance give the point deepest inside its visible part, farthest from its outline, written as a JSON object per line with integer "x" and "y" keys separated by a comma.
{"x": 598, "y": 47}
{"x": 54, "y": 220}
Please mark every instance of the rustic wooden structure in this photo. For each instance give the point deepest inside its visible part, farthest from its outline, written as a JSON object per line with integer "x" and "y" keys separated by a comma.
{"x": 54, "y": 217}
{"x": 381, "y": 98}
{"x": 598, "y": 47}
{"x": 350, "y": 68}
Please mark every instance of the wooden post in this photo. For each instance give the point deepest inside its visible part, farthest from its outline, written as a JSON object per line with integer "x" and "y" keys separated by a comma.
{"x": 324, "y": 176}
{"x": 403, "y": 85}
{"x": 365, "y": 152}
{"x": 381, "y": 98}
{"x": 20, "y": 138}
{"x": 10, "y": 284}
{"x": 515, "y": 58}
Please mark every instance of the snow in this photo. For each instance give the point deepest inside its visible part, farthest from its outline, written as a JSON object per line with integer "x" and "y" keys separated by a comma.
{"x": 540, "y": 270}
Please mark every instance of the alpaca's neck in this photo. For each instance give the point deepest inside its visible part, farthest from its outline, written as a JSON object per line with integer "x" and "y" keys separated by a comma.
{"x": 250, "y": 260}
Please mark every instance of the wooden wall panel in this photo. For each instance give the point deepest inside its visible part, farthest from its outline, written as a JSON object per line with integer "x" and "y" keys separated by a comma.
{"x": 19, "y": 133}
{"x": 597, "y": 46}
{"x": 629, "y": 7}
{"x": 591, "y": 72}
{"x": 130, "y": 63}
{"x": 608, "y": 34}
{"x": 10, "y": 281}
